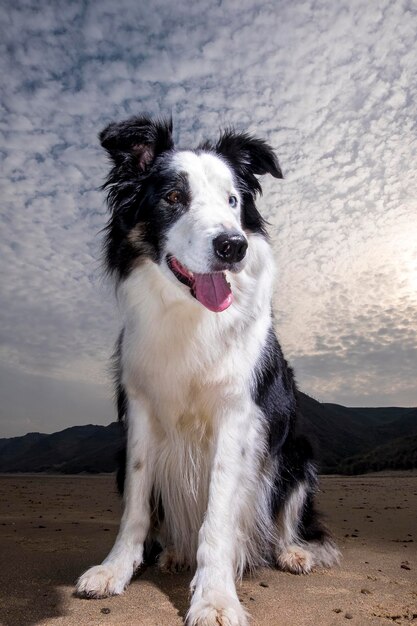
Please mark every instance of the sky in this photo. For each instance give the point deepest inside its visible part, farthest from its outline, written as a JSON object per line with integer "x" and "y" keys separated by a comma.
{"x": 330, "y": 85}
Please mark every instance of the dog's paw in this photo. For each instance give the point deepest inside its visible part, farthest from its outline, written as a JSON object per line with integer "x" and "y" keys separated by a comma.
{"x": 295, "y": 559}
{"x": 101, "y": 581}
{"x": 169, "y": 561}
{"x": 215, "y": 608}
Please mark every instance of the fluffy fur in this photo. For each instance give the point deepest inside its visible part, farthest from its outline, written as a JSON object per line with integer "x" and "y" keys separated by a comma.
{"x": 216, "y": 470}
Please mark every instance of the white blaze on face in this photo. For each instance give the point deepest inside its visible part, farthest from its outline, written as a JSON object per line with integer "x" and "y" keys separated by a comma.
{"x": 211, "y": 184}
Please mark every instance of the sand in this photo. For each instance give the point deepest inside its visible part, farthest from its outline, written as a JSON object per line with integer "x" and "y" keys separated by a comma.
{"x": 54, "y": 527}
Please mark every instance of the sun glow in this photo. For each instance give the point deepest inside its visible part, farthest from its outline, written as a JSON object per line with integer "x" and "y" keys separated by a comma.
{"x": 406, "y": 254}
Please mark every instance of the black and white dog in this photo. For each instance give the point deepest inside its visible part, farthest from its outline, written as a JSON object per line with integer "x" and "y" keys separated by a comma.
{"x": 216, "y": 469}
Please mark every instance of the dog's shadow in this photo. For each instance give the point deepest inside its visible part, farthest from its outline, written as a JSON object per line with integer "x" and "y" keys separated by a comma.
{"x": 44, "y": 591}
{"x": 175, "y": 586}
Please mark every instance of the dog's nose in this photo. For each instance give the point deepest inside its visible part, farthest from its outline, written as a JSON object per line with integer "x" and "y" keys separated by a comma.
{"x": 230, "y": 246}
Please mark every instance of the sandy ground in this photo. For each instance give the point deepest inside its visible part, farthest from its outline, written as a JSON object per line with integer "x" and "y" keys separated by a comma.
{"x": 54, "y": 527}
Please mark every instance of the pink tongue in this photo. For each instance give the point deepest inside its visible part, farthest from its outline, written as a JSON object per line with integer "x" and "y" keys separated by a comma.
{"x": 213, "y": 291}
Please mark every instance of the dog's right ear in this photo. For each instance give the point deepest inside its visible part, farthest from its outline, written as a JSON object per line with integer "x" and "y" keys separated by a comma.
{"x": 138, "y": 140}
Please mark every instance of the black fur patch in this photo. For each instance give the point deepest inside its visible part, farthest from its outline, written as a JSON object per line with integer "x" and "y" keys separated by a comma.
{"x": 138, "y": 185}
{"x": 290, "y": 452}
{"x": 142, "y": 216}
{"x": 248, "y": 157}
{"x": 120, "y": 398}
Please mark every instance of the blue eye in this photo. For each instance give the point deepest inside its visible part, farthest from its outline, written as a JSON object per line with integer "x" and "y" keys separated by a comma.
{"x": 233, "y": 201}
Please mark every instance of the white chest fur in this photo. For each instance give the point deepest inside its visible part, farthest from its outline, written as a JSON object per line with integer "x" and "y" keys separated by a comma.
{"x": 180, "y": 355}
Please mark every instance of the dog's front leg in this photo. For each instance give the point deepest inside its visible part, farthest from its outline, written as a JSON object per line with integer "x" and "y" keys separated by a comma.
{"x": 215, "y": 601}
{"x": 112, "y": 576}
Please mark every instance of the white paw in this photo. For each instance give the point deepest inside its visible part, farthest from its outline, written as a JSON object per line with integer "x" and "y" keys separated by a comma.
{"x": 295, "y": 559}
{"x": 215, "y": 608}
{"x": 169, "y": 561}
{"x": 103, "y": 580}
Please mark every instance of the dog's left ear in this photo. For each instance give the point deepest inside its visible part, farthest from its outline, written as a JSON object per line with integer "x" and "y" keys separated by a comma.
{"x": 138, "y": 139}
{"x": 248, "y": 155}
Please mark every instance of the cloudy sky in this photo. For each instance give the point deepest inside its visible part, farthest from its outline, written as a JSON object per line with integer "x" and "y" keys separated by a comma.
{"x": 331, "y": 85}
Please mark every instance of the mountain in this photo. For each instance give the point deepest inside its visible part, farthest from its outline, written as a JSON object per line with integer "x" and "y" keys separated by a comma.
{"x": 73, "y": 450}
{"x": 336, "y": 432}
{"x": 342, "y": 433}
{"x": 347, "y": 440}
{"x": 399, "y": 454}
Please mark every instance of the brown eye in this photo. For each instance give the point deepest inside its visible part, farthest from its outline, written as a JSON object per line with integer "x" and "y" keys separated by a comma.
{"x": 174, "y": 197}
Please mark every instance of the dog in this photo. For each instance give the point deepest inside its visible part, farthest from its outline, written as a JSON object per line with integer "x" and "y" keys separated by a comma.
{"x": 217, "y": 469}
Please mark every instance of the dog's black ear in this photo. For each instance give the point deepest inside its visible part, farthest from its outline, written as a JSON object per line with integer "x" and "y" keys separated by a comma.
{"x": 138, "y": 138}
{"x": 247, "y": 154}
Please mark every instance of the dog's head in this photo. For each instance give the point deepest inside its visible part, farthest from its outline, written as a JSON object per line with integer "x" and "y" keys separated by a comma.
{"x": 190, "y": 212}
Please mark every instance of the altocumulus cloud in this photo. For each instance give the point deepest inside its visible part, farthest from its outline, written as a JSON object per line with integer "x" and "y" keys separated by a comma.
{"x": 330, "y": 85}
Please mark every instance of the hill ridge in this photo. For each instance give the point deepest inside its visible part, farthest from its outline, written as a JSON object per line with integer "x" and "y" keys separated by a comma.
{"x": 347, "y": 440}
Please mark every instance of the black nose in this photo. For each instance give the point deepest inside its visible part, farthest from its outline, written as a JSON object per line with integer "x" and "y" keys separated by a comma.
{"x": 230, "y": 246}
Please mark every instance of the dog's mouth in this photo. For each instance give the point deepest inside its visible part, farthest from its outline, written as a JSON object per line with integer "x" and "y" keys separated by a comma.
{"x": 211, "y": 290}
